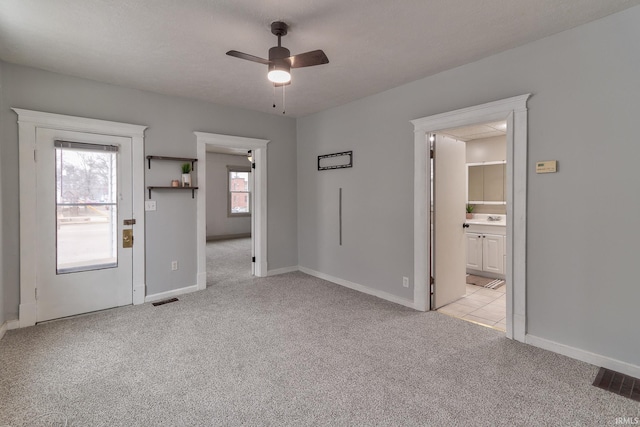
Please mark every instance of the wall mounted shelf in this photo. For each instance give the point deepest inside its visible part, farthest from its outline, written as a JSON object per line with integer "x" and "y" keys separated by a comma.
{"x": 158, "y": 187}
{"x": 176, "y": 159}
{"x": 165, "y": 187}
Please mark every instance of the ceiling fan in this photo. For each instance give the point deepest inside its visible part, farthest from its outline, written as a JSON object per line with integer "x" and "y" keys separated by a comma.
{"x": 280, "y": 60}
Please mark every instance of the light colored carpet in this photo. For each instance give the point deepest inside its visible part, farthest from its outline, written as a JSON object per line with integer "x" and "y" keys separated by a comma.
{"x": 288, "y": 350}
{"x": 228, "y": 261}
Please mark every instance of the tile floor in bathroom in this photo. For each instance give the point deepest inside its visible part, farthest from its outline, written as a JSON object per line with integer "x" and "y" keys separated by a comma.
{"x": 481, "y": 305}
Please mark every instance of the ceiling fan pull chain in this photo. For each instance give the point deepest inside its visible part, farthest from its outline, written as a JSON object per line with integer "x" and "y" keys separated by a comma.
{"x": 283, "y": 99}
{"x": 274, "y": 95}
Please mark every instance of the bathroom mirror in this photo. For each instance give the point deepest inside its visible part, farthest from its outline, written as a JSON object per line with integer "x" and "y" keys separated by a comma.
{"x": 486, "y": 183}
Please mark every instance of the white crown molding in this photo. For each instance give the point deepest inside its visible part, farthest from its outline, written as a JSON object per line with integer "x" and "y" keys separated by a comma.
{"x": 466, "y": 116}
{"x": 80, "y": 124}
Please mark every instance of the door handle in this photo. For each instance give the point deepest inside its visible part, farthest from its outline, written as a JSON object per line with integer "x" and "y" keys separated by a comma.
{"x": 465, "y": 225}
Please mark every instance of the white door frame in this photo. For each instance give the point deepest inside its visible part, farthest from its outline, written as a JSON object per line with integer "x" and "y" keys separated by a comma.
{"x": 514, "y": 111}
{"x": 258, "y": 148}
{"x": 28, "y": 122}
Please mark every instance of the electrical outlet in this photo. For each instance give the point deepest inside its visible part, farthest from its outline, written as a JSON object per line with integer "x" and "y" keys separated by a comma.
{"x": 174, "y": 265}
{"x": 405, "y": 282}
{"x": 150, "y": 205}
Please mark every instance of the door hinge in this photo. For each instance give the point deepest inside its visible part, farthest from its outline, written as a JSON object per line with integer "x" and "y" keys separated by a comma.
{"x": 253, "y": 165}
{"x": 253, "y": 259}
{"x": 432, "y": 155}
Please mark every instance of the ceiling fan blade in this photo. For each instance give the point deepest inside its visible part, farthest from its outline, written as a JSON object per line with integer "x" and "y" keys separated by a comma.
{"x": 248, "y": 57}
{"x": 282, "y": 84}
{"x": 308, "y": 59}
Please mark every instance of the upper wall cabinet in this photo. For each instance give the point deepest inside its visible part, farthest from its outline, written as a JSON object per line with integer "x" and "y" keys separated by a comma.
{"x": 486, "y": 183}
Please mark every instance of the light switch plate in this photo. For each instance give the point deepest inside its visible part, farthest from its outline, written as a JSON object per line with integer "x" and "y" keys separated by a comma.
{"x": 150, "y": 205}
{"x": 547, "y": 166}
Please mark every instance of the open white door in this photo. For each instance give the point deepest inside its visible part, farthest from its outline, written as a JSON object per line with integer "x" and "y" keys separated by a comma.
{"x": 252, "y": 209}
{"x": 449, "y": 216}
{"x": 83, "y": 216}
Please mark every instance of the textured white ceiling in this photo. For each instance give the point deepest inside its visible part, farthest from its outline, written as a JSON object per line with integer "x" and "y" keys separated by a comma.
{"x": 473, "y": 132}
{"x": 178, "y": 47}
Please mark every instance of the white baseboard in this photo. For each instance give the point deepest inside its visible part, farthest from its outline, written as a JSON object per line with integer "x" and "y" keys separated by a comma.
{"x": 228, "y": 237}
{"x": 170, "y": 294}
{"x": 7, "y": 326}
{"x": 358, "y": 287}
{"x": 283, "y": 270}
{"x": 585, "y": 356}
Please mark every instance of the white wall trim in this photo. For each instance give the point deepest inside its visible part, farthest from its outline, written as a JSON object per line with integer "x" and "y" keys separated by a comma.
{"x": 78, "y": 124}
{"x": 170, "y": 294}
{"x": 8, "y": 325}
{"x": 584, "y": 356}
{"x": 283, "y": 270}
{"x": 28, "y": 122}
{"x": 259, "y": 216}
{"x": 514, "y": 111}
{"x": 358, "y": 287}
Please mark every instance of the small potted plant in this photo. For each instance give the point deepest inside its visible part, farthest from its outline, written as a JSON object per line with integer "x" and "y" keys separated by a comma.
{"x": 186, "y": 174}
{"x": 469, "y": 211}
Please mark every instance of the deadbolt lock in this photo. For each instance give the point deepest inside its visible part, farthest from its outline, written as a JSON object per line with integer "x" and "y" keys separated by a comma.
{"x": 127, "y": 238}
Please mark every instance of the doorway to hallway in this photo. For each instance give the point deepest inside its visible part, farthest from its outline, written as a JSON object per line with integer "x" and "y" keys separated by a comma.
{"x": 258, "y": 200}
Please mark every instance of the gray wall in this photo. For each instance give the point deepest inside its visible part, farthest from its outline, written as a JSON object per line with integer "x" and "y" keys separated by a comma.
{"x": 171, "y": 230}
{"x": 218, "y": 221}
{"x": 582, "y": 287}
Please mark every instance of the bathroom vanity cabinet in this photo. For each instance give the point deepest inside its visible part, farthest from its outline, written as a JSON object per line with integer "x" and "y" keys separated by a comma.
{"x": 486, "y": 249}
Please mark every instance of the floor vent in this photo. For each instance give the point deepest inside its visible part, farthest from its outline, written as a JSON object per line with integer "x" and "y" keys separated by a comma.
{"x": 618, "y": 383}
{"x": 165, "y": 301}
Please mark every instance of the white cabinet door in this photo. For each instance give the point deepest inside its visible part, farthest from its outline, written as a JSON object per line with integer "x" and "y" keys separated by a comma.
{"x": 474, "y": 251}
{"x": 493, "y": 253}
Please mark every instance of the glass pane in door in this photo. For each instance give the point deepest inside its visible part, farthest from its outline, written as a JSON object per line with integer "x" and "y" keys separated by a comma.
{"x": 86, "y": 210}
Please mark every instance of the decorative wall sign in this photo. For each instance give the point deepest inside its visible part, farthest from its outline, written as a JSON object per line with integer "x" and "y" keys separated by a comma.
{"x": 335, "y": 161}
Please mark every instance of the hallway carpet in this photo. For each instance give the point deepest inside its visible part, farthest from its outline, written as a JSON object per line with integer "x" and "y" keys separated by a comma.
{"x": 288, "y": 350}
{"x": 228, "y": 261}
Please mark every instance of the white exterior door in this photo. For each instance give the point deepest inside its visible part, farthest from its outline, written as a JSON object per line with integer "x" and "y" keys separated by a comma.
{"x": 449, "y": 216}
{"x": 83, "y": 196}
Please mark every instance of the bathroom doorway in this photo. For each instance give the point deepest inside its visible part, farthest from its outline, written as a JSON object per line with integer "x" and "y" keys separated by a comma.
{"x": 514, "y": 111}
{"x": 468, "y": 223}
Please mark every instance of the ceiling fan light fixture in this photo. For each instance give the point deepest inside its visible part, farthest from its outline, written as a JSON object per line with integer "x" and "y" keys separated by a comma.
{"x": 279, "y": 73}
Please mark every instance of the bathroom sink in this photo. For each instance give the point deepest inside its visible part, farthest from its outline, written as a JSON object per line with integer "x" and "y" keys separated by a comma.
{"x": 485, "y": 219}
